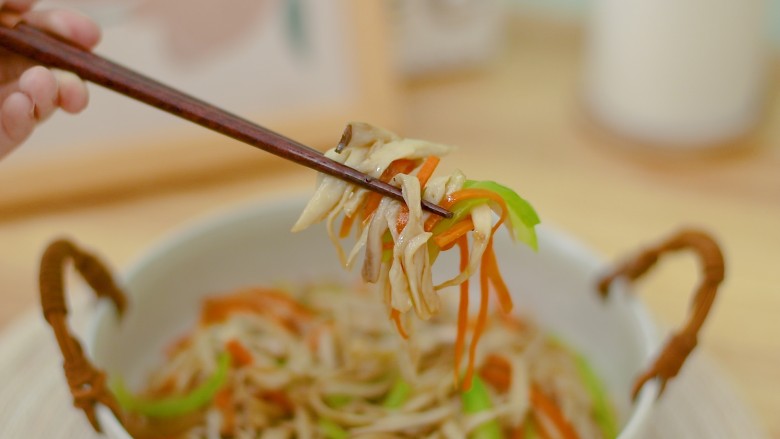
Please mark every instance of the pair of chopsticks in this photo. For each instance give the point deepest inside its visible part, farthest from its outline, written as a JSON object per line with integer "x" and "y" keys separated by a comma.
{"x": 49, "y": 50}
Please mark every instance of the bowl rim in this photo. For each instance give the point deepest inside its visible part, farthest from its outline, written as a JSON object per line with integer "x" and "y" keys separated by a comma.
{"x": 640, "y": 409}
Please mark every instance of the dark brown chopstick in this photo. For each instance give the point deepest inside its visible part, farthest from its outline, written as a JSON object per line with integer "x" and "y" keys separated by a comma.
{"x": 39, "y": 46}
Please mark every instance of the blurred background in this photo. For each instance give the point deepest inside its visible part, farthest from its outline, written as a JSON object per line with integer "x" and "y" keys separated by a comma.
{"x": 621, "y": 120}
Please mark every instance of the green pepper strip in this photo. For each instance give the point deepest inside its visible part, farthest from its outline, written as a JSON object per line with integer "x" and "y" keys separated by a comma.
{"x": 337, "y": 401}
{"x": 475, "y": 400}
{"x": 332, "y": 430}
{"x": 174, "y": 405}
{"x": 529, "y": 432}
{"x": 522, "y": 216}
{"x": 397, "y": 395}
{"x": 603, "y": 412}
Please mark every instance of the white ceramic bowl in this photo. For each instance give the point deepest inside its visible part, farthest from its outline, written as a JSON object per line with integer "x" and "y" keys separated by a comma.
{"x": 253, "y": 246}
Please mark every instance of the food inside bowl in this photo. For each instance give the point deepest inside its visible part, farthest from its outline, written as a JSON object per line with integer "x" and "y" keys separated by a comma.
{"x": 322, "y": 361}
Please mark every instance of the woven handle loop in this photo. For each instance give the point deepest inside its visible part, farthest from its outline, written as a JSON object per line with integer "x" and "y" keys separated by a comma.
{"x": 87, "y": 383}
{"x": 680, "y": 345}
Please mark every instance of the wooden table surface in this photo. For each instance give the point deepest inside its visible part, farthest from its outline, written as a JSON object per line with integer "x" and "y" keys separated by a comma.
{"x": 520, "y": 122}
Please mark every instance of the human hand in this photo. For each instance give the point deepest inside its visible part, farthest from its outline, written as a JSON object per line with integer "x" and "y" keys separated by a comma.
{"x": 30, "y": 93}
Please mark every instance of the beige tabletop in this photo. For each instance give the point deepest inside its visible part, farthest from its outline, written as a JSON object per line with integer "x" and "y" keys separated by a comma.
{"x": 520, "y": 123}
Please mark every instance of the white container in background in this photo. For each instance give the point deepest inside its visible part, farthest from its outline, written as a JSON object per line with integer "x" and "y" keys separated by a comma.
{"x": 434, "y": 36}
{"x": 678, "y": 73}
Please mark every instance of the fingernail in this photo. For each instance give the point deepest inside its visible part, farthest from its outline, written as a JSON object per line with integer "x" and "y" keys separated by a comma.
{"x": 59, "y": 26}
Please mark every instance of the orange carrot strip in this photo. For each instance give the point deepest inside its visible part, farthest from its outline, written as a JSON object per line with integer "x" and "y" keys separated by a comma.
{"x": 238, "y": 353}
{"x": 497, "y": 371}
{"x": 543, "y": 404}
{"x": 166, "y": 388}
{"x": 396, "y": 316}
{"x": 489, "y": 262}
{"x": 279, "y": 399}
{"x": 504, "y": 297}
{"x": 223, "y": 400}
{"x": 478, "y": 328}
{"x": 453, "y": 233}
{"x": 270, "y": 303}
{"x": 466, "y": 194}
{"x": 400, "y": 166}
{"x": 426, "y": 170}
{"x": 372, "y": 202}
{"x": 346, "y": 225}
{"x": 463, "y": 307}
{"x": 432, "y": 220}
{"x": 495, "y": 378}
{"x": 518, "y": 432}
{"x": 543, "y": 429}
{"x": 449, "y": 246}
{"x": 178, "y": 345}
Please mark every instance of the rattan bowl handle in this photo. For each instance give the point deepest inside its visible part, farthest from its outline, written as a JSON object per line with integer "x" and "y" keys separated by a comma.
{"x": 87, "y": 383}
{"x": 682, "y": 342}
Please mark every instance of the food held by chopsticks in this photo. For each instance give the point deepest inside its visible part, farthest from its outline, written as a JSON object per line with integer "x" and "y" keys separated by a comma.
{"x": 401, "y": 243}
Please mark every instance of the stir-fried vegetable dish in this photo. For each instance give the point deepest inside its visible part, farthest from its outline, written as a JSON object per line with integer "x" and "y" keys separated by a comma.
{"x": 325, "y": 361}
{"x": 320, "y": 361}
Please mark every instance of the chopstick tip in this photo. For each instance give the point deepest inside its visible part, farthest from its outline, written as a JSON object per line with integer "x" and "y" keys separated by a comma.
{"x": 436, "y": 209}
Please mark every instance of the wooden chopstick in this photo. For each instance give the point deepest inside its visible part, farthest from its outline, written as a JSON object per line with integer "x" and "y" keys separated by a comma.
{"x": 49, "y": 50}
